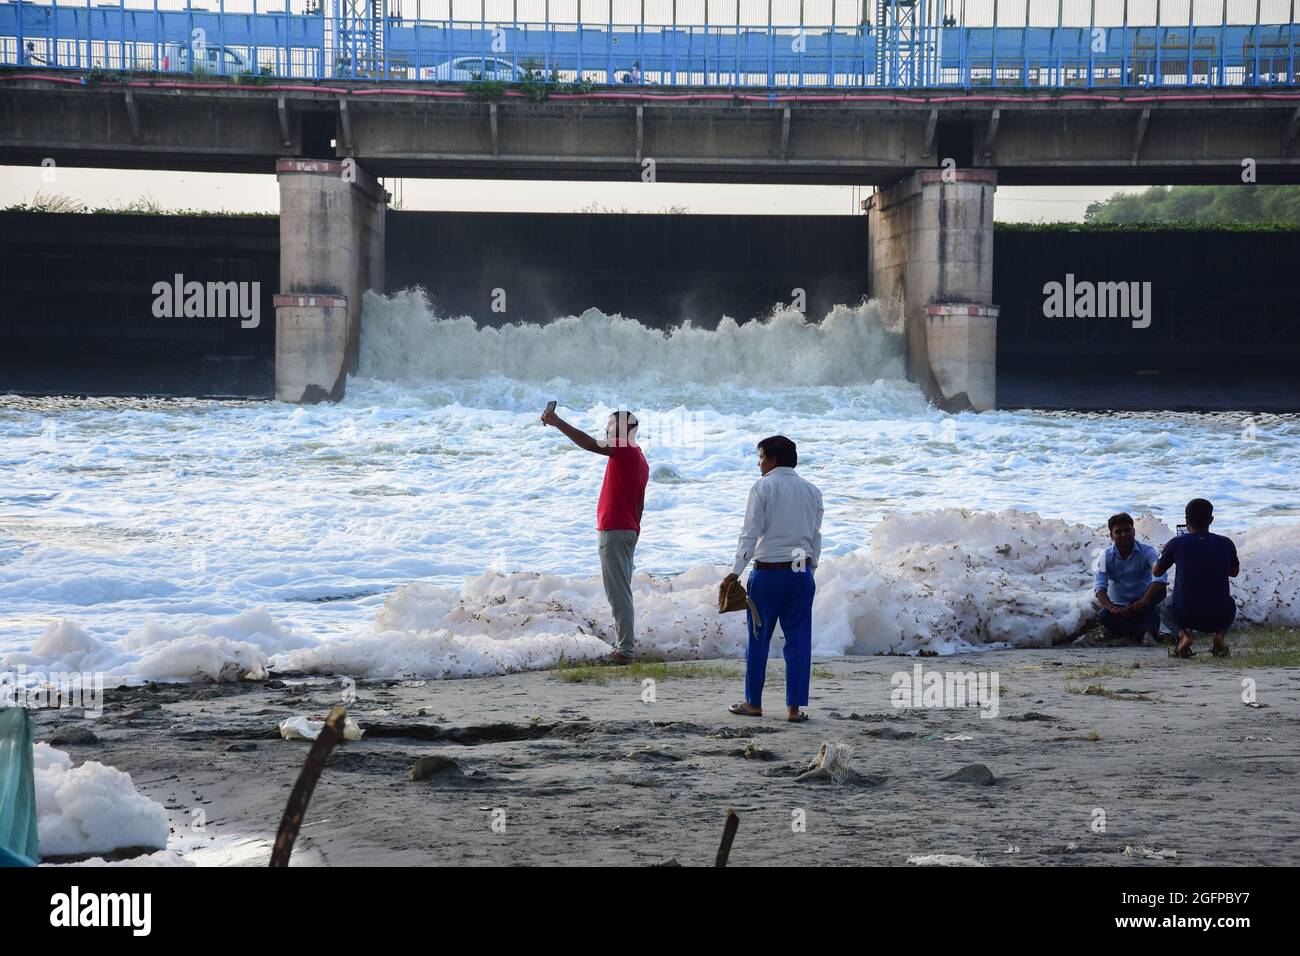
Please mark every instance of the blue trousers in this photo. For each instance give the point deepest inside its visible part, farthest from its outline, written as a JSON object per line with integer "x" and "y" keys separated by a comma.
{"x": 786, "y": 596}
{"x": 1133, "y": 626}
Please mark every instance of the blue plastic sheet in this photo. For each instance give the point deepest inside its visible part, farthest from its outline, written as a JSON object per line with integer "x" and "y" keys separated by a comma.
{"x": 17, "y": 789}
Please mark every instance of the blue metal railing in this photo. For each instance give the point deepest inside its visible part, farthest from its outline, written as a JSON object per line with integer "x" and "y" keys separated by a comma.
{"x": 310, "y": 43}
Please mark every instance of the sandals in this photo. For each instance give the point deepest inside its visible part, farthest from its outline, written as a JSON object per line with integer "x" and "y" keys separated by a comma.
{"x": 803, "y": 716}
{"x": 1186, "y": 653}
{"x": 1223, "y": 651}
{"x": 741, "y": 710}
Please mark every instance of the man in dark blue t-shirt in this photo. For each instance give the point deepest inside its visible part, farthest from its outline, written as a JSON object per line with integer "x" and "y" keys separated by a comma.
{"x": 1202, "y": 597}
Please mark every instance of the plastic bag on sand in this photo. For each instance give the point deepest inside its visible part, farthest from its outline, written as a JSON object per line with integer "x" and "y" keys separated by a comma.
{"x": 304, "y": 728}
{"x": 831, "y": 763}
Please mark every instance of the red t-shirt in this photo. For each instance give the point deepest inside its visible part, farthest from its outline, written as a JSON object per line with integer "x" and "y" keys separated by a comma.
{"x": 626, "y": 474}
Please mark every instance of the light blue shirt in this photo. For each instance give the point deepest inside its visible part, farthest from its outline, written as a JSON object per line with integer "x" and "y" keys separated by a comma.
{"x": 1127, "y": 579}
{"x": 783, "y": 521}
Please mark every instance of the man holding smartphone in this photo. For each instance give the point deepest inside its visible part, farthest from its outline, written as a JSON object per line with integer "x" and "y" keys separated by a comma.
{"x": 618, "y": 515}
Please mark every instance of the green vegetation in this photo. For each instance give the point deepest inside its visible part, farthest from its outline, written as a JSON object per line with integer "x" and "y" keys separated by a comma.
{"x": 1219, "y": 205}
{"x": 1148, "y": 227}
{"x": 640, "y": 670}
{"x": 659, "y": 671}
{"x": 1096, "y": 690}
{"x": 1102, "y": 670}
{"x": 1254, "y": 647}
{"x": 487, "y": 90}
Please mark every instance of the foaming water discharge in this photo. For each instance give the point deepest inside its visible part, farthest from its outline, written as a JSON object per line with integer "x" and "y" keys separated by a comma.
{"x": 404, "y": 340}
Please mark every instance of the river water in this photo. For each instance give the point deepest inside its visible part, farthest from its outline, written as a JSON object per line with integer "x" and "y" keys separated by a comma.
{"x": 429, "y": 525}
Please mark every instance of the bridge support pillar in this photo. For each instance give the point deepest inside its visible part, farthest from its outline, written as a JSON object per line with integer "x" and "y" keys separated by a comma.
{"x": 931, "y": 238}
{"x": 331, "y": 251}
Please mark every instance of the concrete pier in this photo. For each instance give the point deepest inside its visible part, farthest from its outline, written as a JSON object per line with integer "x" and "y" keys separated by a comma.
{"x": 931, "y": 238}
{"x": 331, "y": 251}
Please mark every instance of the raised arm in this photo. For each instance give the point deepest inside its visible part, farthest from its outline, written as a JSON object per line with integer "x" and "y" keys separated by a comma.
{"x": 577, "y": 435}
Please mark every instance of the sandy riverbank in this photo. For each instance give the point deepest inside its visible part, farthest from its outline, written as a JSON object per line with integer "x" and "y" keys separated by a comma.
{"x": 589, "y": 772}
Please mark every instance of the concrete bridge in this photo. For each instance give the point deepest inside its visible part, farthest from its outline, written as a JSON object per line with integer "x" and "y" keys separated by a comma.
{"x": 936, "y": 114}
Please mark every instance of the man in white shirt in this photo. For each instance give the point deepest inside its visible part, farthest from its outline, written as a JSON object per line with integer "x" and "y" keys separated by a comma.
{"x": 783, "y": 536}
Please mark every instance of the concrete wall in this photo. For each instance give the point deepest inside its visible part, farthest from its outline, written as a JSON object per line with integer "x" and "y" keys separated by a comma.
{"x": 658, "y": 269}
{"x": 76, "y": 304}
{"x": 931, "y": 243}
{"x": 76, "y": 294}
{"x": 1156, "y": 136}
{"x": 332, "y": 216}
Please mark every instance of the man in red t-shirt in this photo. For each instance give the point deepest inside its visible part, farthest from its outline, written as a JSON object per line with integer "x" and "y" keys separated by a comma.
{"x": 618, "y": 515}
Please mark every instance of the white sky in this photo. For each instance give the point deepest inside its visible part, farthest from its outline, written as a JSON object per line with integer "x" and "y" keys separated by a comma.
{"x": 259, "y": 193}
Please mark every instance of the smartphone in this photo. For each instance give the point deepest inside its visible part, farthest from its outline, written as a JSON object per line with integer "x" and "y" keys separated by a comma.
{"x": 1182, "y": 529}
{"x": 550, "y": 407}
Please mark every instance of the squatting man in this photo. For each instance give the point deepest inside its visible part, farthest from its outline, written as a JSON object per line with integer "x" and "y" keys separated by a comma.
{"x": 1131, "y": 580}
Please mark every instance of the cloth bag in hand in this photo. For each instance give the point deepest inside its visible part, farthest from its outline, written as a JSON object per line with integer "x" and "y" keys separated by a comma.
{"x": 732, "y": 597}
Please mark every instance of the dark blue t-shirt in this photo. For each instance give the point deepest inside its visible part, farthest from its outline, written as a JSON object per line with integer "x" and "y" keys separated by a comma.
{"x": 1202, "y": 597}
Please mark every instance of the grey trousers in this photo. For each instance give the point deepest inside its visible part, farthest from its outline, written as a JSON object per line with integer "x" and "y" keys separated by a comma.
{"x": 616, "y": 550}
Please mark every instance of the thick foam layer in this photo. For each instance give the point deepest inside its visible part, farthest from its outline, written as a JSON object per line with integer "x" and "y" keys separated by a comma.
{"x": 210, "y": 540}
{"x": 92, "y": 808}
{"x": 938, "y": 581}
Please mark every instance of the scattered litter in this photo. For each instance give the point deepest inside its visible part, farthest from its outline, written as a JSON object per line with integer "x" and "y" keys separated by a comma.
{"x": 752, "y": 751}
{"x": 1031, "y": 715}
{"x": 1268, "y": 739}
{"x": 1256, "y": 705}
{"x": 304, "y": 728}
{"x": 1146, "y": 853}
{"x": 1011, "y": 848}
{"x": 943, "y": 859}
{"x": 832, "y": 765}
{"x": 956, "y": 737}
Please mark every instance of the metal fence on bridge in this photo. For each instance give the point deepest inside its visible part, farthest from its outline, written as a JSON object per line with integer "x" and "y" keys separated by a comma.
{"x": 767, "y": 44}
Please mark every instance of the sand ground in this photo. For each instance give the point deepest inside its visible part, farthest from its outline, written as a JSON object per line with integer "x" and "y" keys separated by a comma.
{"x": 592, "y": 773}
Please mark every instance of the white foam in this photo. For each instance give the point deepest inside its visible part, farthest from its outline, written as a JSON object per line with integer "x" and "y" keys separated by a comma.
{"x": 429, "y": 524}
{"x": 942, "y": 581}
{"x": 92, "y": 808}
{"x": 404, "y": 340}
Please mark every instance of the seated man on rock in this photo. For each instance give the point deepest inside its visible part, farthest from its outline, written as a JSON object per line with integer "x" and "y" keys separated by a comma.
{"x": 1126, "y": 587}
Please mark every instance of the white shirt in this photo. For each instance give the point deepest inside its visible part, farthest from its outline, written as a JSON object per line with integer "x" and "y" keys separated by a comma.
{"x": 783, "y": 520}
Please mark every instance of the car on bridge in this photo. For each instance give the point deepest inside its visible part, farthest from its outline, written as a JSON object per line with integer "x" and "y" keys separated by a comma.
{"x": 206, "y": 58}
{"x": 472, "y": 69}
